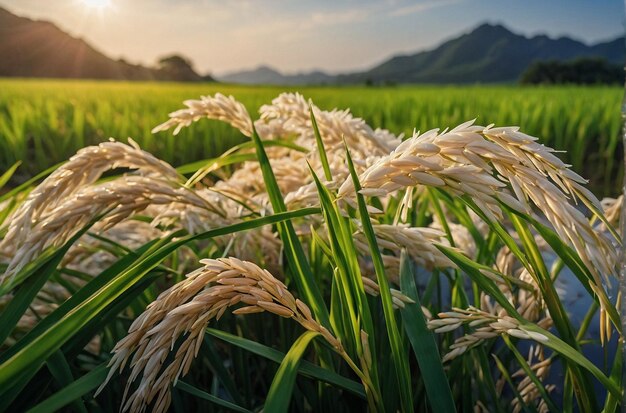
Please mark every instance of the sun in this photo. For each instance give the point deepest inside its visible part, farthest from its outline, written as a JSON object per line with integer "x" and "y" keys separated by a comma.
{"x": 99, "y": 5}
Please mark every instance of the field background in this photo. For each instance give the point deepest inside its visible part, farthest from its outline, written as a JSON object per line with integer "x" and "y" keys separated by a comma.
{"x": 44, "y": 122}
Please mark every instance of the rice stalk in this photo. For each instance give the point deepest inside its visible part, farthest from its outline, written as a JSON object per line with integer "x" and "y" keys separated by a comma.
{"x": 82, "y": 169}
{"x": 213, "y": 107}
{"x": 185, "y": 310}
{"x": 118, "y": 200}
{"x": 486, "y": 326}
{"x": 481, "y": 162}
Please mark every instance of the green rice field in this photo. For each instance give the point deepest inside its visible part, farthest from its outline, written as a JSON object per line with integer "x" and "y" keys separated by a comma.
{"x": 43, "y": 122}
{"x": 309, "y": 280}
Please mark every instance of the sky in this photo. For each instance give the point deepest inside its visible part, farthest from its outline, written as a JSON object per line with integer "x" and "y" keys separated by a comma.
{"x": 221, "y": 36}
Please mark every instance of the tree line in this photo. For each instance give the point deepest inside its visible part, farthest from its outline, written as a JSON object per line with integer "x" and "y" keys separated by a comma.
{"x": 580, "y": 71}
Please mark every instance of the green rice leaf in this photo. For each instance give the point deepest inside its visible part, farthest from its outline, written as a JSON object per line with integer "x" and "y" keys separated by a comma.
{"x": 398, "y": 353}
{"x": 60, "y": 369}
{"x": 279, "y": 394}
{"x": 73, "y": 391}
{"x": 305, "y": 368}
{"x": 4, "y": 178}
{"x": 296, "y": 259}
{"x": 320, "y": 145}
{"x": 28, "y": 183}
{"x": 194, "y": 391}
{"x": 423, "y": 343}
{"x": 350, "y": 295}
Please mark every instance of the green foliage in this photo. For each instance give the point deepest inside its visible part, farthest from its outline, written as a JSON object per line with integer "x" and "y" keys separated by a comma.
{"x": 279, "y": 394}
{"x": 44, "y": 122}
{"x": 585, "y": 71}
{"x": 423, "y": 343}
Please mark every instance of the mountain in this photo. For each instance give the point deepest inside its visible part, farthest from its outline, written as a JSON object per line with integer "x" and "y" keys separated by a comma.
{"x": 613, "y": 51}
{"x": 264, "y": 75}
{"x": 30, "y": 48}
{"x": 490, "y": 53}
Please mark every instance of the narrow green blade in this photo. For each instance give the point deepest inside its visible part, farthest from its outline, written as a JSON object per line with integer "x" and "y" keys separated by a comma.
{"x": 305, "y": 368}
{"x": 4, "y": 178}
{"x": 296, "y": 258}
{"x": 28, "y": 183}
{"x": 279, "y": 395}
{"x": 398, "y": 353}
{"x": 73, "y": 391}
{"x": 320, "y": 145}
{"x": 188, "y": 388}
{"x": 60, "y": 370}
{"x": 424, "y": 344}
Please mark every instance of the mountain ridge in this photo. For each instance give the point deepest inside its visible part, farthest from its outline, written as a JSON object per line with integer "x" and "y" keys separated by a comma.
{"x": 265, "y": 74}
{"x": 490, "y": 53}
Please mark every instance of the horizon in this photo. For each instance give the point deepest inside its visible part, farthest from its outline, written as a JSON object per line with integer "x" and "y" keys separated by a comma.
{"x": 106, "y": 24}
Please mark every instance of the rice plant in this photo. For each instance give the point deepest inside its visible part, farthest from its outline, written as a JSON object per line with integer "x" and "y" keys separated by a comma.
{"x": 320, "y": 265}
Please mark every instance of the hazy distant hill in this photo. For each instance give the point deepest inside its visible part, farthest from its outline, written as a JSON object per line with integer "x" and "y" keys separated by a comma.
{"x": 268, "y": 76}
{"x": 31, "y": 48}
{"x": 490, "y": 53}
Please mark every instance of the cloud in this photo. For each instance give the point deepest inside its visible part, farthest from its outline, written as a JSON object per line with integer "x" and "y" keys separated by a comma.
{"x": 293, "y": 27}
{"x": 420, "y": 7}
{"x": 339, "y": 17}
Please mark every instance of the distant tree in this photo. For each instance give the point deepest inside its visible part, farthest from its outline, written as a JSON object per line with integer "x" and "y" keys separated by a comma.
{"x": 208, "y": 77}
{"x": 175, "y": 61}
{"x": 176, "y": 67}
{"x": 579, "y": 71}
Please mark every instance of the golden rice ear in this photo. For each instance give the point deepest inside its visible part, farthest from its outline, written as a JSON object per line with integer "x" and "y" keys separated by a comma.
{"x": 481, "y": 163}
{"x": 612, "y": 208}
{"x": 420, "y": 244}
{"x": 185, "y": 310}
{"x": 289, "y": 112}
{"x": 218, "y": 107}
{"x": 526, "y": 387}
{"x": 82, "y": 169}
{"x": 115, "y": 200}
{"x": 486, "y": 325}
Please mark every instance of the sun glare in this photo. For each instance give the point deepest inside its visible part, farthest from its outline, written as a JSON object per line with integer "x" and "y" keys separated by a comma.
{"x": 99, "y": 5}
